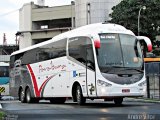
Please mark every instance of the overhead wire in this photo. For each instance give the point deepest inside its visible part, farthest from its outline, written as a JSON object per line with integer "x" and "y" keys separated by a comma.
{"x": 8, "y": 13}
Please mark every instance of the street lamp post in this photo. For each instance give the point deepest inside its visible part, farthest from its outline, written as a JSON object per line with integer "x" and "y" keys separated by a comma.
{"x": 139, "y": 14}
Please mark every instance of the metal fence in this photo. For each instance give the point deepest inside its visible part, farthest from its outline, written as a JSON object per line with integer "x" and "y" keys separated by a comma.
{"x": 153, "y": 80}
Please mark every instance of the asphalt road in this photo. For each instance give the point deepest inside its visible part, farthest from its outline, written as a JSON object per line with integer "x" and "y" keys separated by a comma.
{"x": 92, "y": 110}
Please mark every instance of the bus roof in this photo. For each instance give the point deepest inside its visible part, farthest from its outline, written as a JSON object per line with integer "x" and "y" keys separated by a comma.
{"x": 87, "y": 30}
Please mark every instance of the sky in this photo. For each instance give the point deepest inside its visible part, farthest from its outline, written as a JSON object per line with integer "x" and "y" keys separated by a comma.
{"x": 9, "y": 16}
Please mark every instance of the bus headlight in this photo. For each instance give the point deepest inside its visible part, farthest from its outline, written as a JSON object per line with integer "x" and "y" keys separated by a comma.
{"x": 104, "y": 84}
{"x": 142, "y": 84}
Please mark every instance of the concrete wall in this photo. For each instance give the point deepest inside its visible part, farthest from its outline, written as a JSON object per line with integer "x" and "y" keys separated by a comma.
{"x": 93, "y": 11}
{"x": 59, "y": 12}
{"x": 25, "y": 40}
{"x": 48, "y": 34}
{"x": 25, "y": 23}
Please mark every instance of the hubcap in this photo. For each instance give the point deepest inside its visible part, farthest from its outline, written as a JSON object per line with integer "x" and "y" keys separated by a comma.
{"x": 22, "y": 95}
{"x": 28, "y": 97}
{"x": 78, "y": 95}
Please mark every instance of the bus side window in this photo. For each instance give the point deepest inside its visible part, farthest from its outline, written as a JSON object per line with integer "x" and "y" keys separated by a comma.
{"x": 80, "y": 48}
{"x": 52, "y": 51}
{"x": 28, "y": 57}
{"x": 43, "y": 56}
{"x": 90, "y": 58}
{"x": 77, "y": 50}
{"x": 12, "y": 59}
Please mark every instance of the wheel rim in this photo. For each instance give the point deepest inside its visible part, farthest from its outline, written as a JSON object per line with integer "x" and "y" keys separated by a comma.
{"x": 22, "y": 95}
{"x": 78, "y": 95}
{"x": 28, "y": 97}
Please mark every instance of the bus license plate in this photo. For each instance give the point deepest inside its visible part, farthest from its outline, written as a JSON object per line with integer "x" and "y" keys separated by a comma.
{"x": 125, "y": 90}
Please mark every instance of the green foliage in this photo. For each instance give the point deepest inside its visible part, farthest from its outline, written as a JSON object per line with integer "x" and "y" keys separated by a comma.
{"x": 2, "y": 114}
{"x": 126, "y": 14}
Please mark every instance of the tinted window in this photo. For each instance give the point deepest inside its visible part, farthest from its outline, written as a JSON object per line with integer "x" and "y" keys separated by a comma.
{"x": 90, "y": 58}
{"x": 12, "y": 59}
{"x": 80, "y": 48}
{"x": 118, "y": 51}
{"x": 53, "y": 50}
{"x": 29, "y": 57}
{"x": 50, "y": 51}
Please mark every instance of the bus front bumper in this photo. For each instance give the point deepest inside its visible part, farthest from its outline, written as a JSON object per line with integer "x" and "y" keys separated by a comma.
{"x": 122, "y": 91}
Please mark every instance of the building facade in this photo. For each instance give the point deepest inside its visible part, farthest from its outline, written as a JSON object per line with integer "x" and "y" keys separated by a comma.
{"x": 38, "y": 23}
{"x": 93, "y": 11}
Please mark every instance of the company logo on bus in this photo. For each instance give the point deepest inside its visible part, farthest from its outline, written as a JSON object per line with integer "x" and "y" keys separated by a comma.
{"x": 51, "y": 66}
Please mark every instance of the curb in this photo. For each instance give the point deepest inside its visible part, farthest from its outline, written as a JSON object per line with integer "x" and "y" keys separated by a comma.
{"x": 143, "y": 100}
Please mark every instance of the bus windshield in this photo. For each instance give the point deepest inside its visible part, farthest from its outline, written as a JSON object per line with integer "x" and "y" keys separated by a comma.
{"x": 119, "y": 51}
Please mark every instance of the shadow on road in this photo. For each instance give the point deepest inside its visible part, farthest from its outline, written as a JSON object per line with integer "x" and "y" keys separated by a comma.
{"x": 96, "y": 104}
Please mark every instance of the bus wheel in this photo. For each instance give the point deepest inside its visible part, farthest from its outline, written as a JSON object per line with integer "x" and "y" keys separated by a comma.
{"x": 58, "y": 100}
{"x": 28, "y": 96}
{"x": 22, "y": 96}
{"x": 118, "y": 101}
{"x": 80, "y": 99}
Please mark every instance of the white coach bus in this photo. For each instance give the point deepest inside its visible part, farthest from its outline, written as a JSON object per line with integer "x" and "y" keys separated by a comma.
{"x": 97, "y": 61}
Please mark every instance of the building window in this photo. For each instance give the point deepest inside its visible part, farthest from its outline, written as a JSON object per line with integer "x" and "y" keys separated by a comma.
{"x": 44, "y": 27}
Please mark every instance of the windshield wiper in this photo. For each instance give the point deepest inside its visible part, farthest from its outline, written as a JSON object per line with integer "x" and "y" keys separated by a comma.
{"x": 117, "y": 67}
{"x": 125, "y": 68}
{"x": 112, "y": 68}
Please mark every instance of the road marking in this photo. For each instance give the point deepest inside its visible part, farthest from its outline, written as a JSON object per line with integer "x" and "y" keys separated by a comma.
{"x": 0, "y": 106}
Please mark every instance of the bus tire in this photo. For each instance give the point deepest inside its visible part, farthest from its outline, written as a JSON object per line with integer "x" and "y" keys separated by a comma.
{"x": 80, "y": 99}
{"x": 28, "y": 96}
{"x": 58, "y": 100}
{"x": 22, "y": 97}
{"x": 118, "y": 101}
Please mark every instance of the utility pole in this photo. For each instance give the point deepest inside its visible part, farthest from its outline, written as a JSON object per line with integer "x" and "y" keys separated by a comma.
{"x": 4, "y": 39}
{"x": 139, "y": 14}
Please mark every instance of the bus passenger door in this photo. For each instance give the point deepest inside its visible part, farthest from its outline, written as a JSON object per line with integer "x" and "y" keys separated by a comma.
{"x": 81, "y": 54}
{"x": 90, "y": 68}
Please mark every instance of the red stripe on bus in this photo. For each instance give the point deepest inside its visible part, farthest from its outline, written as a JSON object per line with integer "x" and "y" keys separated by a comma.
{"x": 44, "y": 83}
{"x": 34, "y": 81}
{"x": 37, "y": 91}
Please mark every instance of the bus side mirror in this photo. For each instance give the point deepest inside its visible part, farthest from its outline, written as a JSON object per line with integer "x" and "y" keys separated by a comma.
{"x": 147, "y": 41}
{"x": 135, "y": 47}
{"x": 97, "y": 44}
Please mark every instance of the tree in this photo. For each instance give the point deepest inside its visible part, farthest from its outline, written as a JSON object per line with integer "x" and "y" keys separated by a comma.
{"x": 126, "y": 14}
